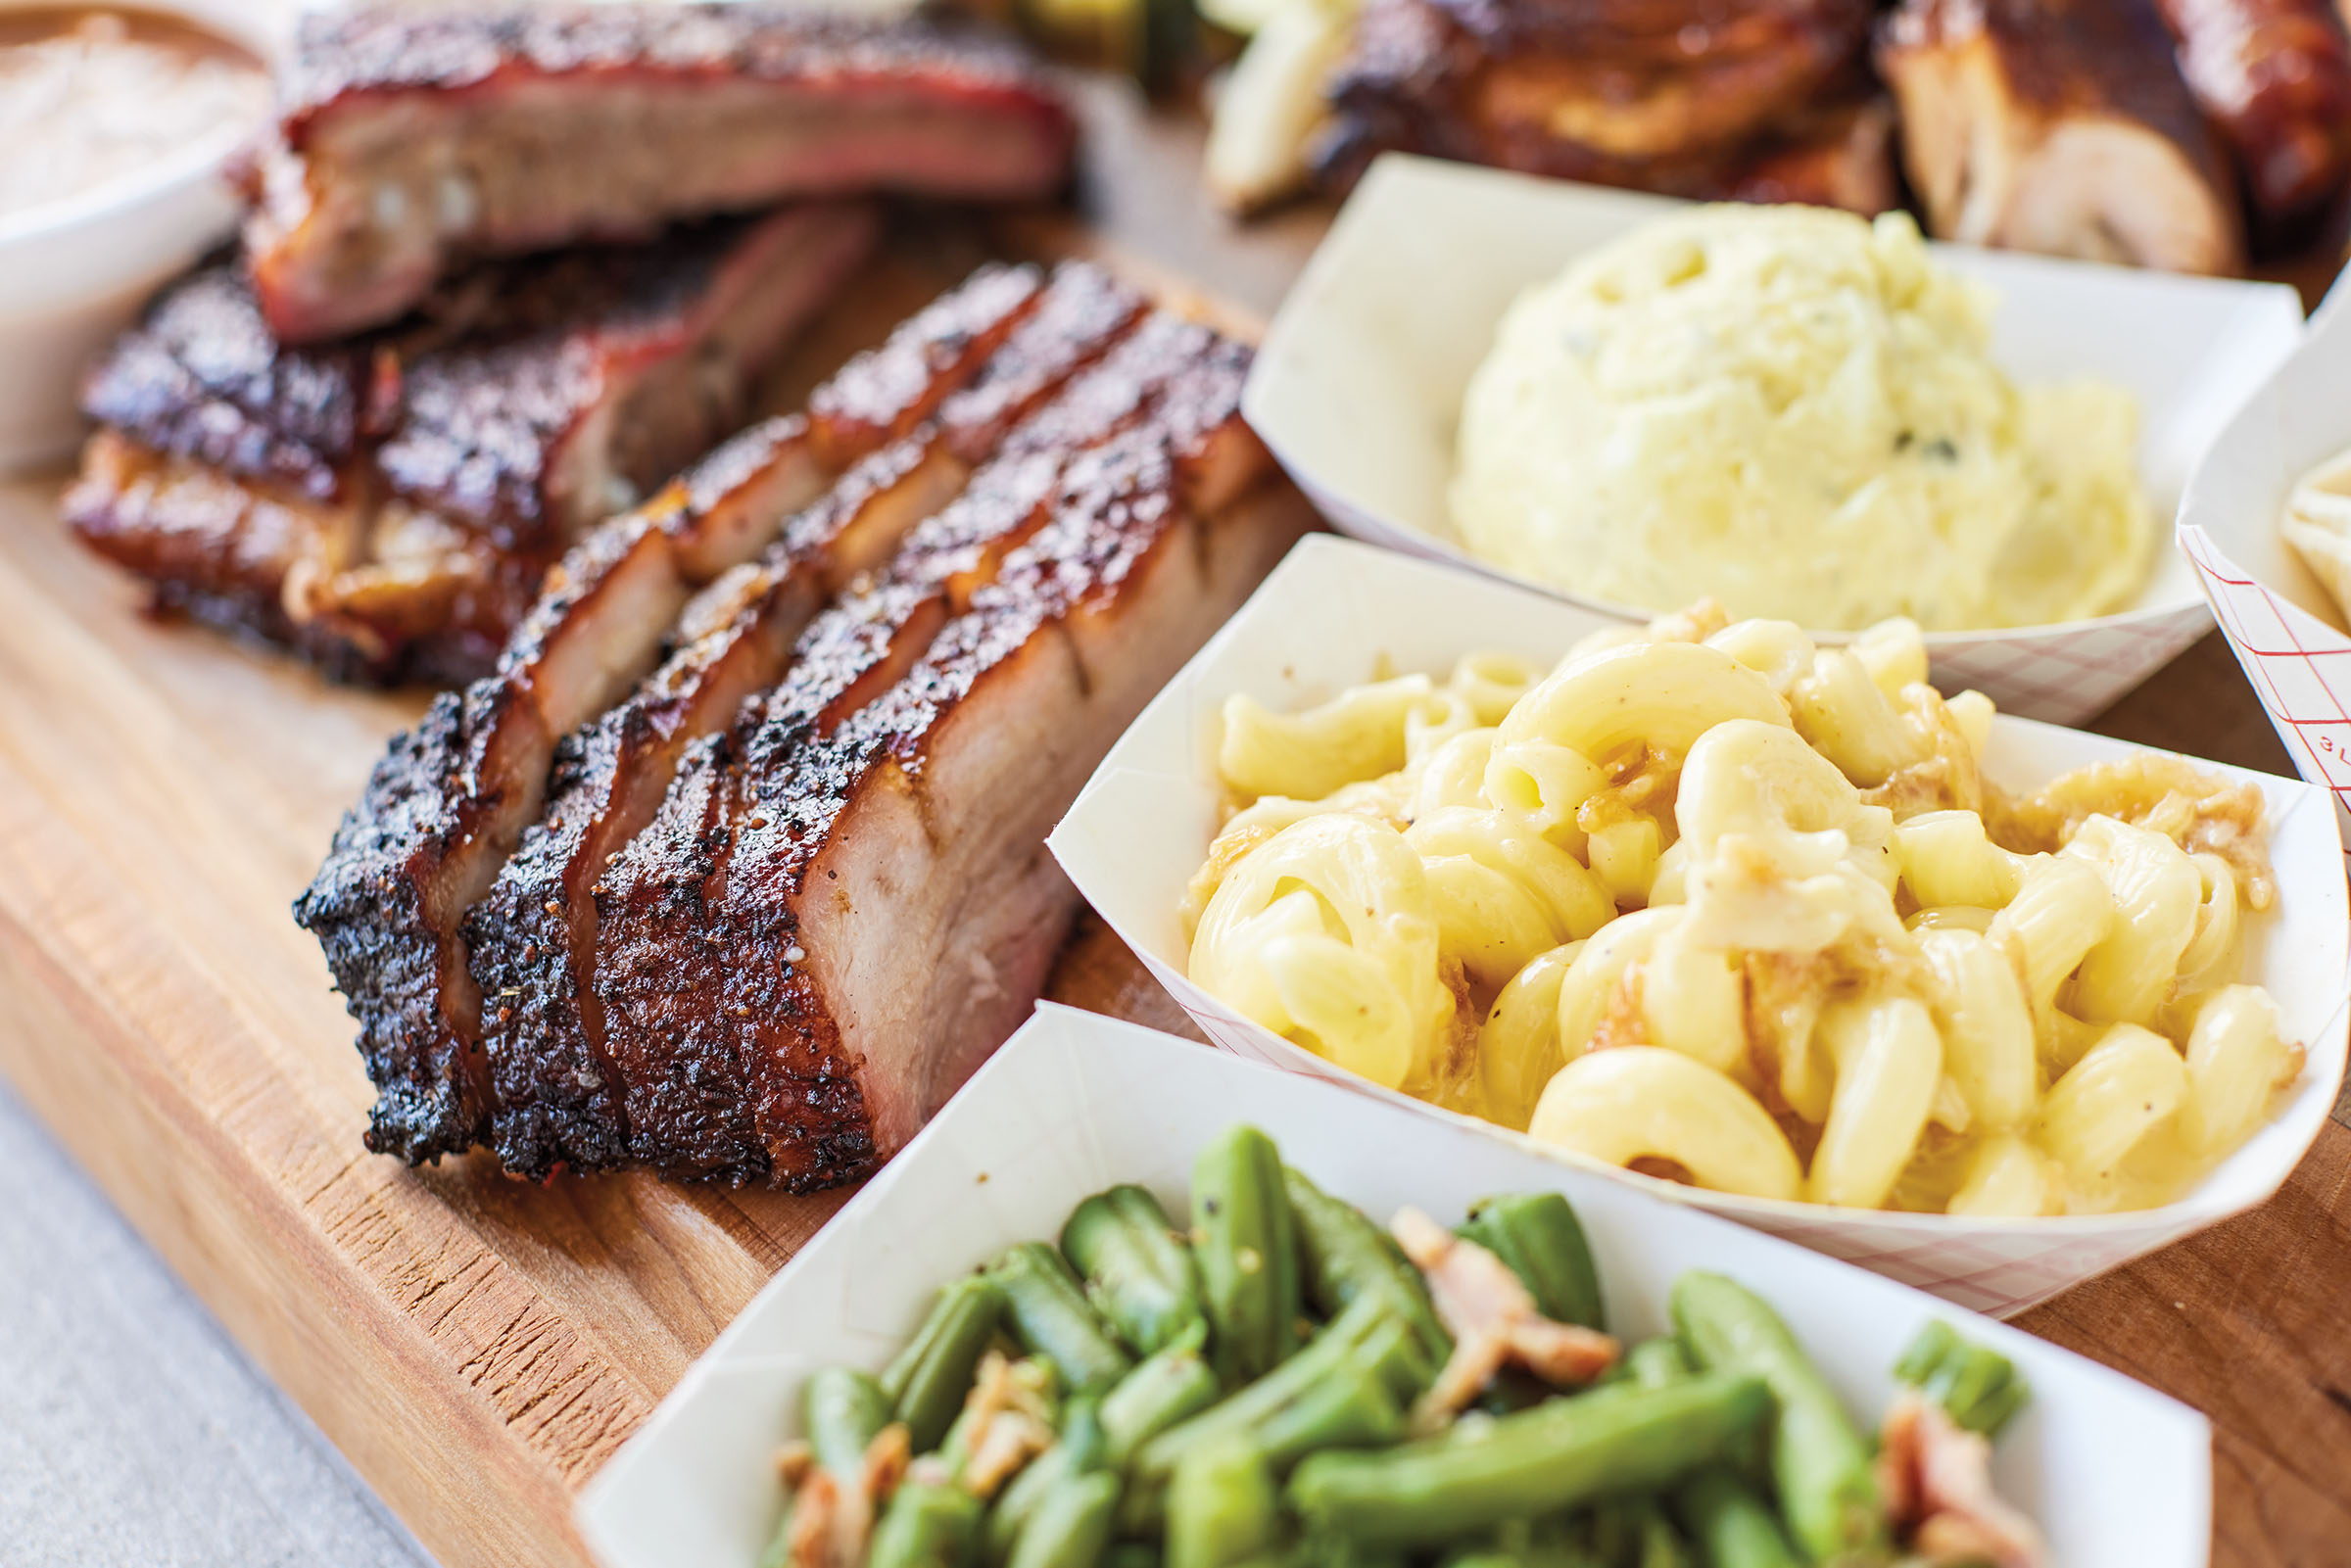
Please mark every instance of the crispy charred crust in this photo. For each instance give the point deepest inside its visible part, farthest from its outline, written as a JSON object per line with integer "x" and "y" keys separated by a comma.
{"x": 1081, "y": 312}
{"x": 761, "y": 1049}
{"x": 886, "y": 392}
{"x": 200, "y": 377}
{"x": 451, "y": 800}
{"x": 273, "y": 473}
{"x": 461, "y": 409}
{"x": 563, "y": 1107}
{"x": 801, "y": 1073}
{"x": 369, "y": 910}
{"x": 663, "y": 954}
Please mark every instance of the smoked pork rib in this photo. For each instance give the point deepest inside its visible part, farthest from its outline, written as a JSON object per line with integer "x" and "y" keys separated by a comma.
{"x": 389, "y": 505}
{"x": 2061, "y": 126}
{"x": 799, "y": 961}
{"x": 412, "y": 139}
{"x": 449, "y": 800}
{"x": 533, "y": 939}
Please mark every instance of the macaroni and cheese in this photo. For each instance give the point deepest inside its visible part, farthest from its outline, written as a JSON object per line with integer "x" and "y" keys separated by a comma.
{"x": 1709, "y": 901}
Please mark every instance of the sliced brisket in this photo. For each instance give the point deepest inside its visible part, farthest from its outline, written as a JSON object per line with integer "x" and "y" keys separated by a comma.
{"x": 533, "y": 939}
{"x": 450, "y": 801}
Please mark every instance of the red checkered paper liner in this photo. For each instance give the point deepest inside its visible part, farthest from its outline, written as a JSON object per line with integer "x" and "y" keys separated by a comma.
{"x": 2299, "y": 666}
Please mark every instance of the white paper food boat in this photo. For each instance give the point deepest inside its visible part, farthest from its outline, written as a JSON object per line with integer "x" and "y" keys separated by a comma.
{"x": 1359, "y": 386}
{"x": 2285, "y": 631}
{"x": 2118, "y": 1476}
{"x": 1334, "y": 610}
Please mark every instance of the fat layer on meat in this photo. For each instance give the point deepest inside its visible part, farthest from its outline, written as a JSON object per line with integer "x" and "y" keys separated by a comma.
{"x": 413, "y": 138}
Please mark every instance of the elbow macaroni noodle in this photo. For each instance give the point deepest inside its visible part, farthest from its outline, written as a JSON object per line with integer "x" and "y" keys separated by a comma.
{"x": 1714, "y": 903}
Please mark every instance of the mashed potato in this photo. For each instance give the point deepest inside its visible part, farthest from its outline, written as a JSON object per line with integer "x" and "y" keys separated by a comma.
{"x": 1790, "y": 409}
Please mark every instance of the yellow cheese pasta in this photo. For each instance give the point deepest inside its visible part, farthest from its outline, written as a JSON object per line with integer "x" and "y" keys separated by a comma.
{"x": 1718, "y": 904}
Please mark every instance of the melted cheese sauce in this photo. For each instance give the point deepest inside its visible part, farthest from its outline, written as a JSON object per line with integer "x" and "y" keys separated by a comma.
{"x": 91, "y": 97}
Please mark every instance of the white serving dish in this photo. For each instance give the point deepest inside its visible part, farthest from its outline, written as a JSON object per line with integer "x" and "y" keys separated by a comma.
{"x": 1360, "y": 382}
{"x": 2118, "y": 1475}
{"x": 1334, "y": 610}
{"x": 74, "y": 273}
{"x": 2285, "y": 631}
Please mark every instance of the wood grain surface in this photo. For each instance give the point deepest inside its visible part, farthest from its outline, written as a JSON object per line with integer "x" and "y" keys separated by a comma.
{"x": 477, "y": 1345}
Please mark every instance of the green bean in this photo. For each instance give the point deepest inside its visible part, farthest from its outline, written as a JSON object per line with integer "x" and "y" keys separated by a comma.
{"x": 1543, "y": 1242}
{"x": 1080, "y": 1450}
{"x": 930, "y": 1378}
{"x": 1483, "y": 1557}
{"x": 1729, "y": 1524}
{"x": 841, "y": 1411}
{"x": 1365, "y": 1335}
{"x": 1656, "y": 1363}
{"x": 1346, "y": 1256}
{"x": 926, "y": 1525}
{"x": 1223, "y": 1507}
{"x": 1349, "y": 1405}
{"x": 1552, "y": 1543}
{"x": 1558, "y": 1455}
{"x": 1169, "y": 1388}
{"x": 1351, "y": 1408}
{"x": 1132, "y": 1555}
{"x": 1048, "y": 1314}
{"x": 1071, "y": 1524}
{"x": 1979, "y": 1389}
{"x": 1138, "y": 1272}
{"x": 1634, "y": 1533}
{"x": 1820, "y": 1465}
{"x": 1246, "y": 1245}
{"x": 1657, "y": 1544}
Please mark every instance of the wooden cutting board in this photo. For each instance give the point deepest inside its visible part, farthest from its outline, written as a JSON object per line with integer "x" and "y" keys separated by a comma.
{"x": 478, "y": 1347}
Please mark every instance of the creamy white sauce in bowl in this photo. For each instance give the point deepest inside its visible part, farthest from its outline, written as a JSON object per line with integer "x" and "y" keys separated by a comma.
{"x": 115, "y": 139}
{"x": 95, "y": 99}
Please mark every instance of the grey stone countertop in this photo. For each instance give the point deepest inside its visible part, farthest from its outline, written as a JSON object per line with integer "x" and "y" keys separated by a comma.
{"x": 133, "y": 1430}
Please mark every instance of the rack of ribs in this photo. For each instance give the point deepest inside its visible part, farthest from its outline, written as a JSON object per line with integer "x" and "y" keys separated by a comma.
{"x": 2061, "y": 126}
{"x": 1656, "y": 94}
{"x": 740, "y": 882}
{"x": 388, "y": 506}
{"x": 413, "y": 139}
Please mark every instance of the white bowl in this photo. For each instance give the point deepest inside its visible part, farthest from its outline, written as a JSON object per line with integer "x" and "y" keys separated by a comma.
{"x": 2117, "y": 1475}
{"x": 1334, "y": 610}
{"x": 74, "y": 273}
{"x": 2288, "y": 634}
{"x": 1360, "y": 382}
